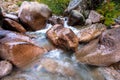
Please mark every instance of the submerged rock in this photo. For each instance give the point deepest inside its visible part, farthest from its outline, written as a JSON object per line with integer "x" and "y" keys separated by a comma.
{"x": 91, "y": 32}
{"x": 5, "y": 68}
{"x": 34, "y": 15}
{"x": 75, "y": 18}
{"x": 63, "y": 37}
{"x": 12, "y": 25}
{"x": 103, "y": 51}
{"x": 18, "y": 48}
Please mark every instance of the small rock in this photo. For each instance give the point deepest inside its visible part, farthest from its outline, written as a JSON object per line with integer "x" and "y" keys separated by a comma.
{"x": 90, "y": 32}
{"x": 55, "y": 20}
{"x": 117, "y": 20}
{"x": 34, "y": 15}
{"x": 63, "y": 37}
{"x": 18, "y": 48}
{"x": 5, "y": 68}
{"x": 95, "y": 17}
{"x": 103, "y": 51}
{"x": 75, "y": 18}
{"x": 88, "y": 22}
{"x": 12, "y": 25}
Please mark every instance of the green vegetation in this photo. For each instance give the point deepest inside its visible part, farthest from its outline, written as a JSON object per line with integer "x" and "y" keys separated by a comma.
{"x": 110, "y": 10}
{"x": 57, "y": 6}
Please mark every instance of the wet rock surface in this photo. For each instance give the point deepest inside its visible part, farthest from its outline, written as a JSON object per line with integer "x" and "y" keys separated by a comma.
{"x": 12, "y": 25}
{"x": 63, "y": 37}
{"x": 18, "y": 49}
{"x": 91, "y": 32}
{"x": 103, "y": 51}
{"x": 34, "y": 15}
{"x": 5, "y": 68}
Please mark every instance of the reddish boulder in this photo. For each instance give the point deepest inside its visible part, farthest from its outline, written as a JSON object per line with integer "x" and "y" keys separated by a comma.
{"x": 12, "y": 25}
{"x": 102, "y": 52}
{"x": 18, "y": 48}
{"x": 91, "y": 32}
{"x": 63, "y": 37}
{"x": 34, "y": 15}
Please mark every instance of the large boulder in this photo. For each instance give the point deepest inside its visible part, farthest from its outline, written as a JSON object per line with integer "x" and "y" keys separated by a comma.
{"x": 9, "y": 24}
{"x": 75, "y": 18}
{"x": 102, "y": 52}
{"x": 63, "y": 37}
{"x": 18, "y": 48}
{"x": 34, "y": 15}
{"x": 90, "y": 32}
{"x": 82, "y": 5}
{"x": 5, "y": 68}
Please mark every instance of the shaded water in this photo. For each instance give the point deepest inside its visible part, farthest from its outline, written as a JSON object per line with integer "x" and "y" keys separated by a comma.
{"x": 55, "y": 64}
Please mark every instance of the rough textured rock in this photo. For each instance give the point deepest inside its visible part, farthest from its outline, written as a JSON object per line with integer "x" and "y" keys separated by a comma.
{"x": 75, "y": 18}
{"x": 95, "y": 17}
{"x": 103, "y": 51}
{"x": 34, "y": 15}
{"x": 90, "y": 32}
{"x": 55, "y": 20}
{"x": 18, "y": 48}
{"x": 63, "y": 37}
{"x": 12, "y": 25}
{"x": 5, "y": 68}
{"x": 82, "y": 5}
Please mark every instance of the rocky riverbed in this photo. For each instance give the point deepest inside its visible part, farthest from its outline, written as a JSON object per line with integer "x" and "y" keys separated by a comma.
{"x": 37, "y": 45}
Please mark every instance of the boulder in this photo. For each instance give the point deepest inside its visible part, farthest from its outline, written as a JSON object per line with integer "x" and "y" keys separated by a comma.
{"x": 63, "y": 37}
{"x": 95, "y": 17}
{"x": 90, "y": 32}
{"x": 75, "y": 18}
{"x": 18, "y": 48}
{"x": 12, "y": 25}
{"x": 101, "y": 52}
{"x": 34, "y": 15}
{"x": 82, "y": 5}
{"x": 5, "y": 68}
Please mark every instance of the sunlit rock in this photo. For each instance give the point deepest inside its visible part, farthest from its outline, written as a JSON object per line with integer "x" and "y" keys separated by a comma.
{"x": 90, "y": 32}
{"x": 34, "y": 15}
{"x": 5, "y": 68}
{"x": 12, "y": 25}
{"x": 63, "y": 37}
{"x": 95, "y": 17}
{"x": 18, "y": 48}
{"x": 102, "y": 52}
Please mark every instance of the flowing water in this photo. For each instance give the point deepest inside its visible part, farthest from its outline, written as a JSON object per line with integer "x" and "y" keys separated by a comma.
{"x": 56, "y": 64}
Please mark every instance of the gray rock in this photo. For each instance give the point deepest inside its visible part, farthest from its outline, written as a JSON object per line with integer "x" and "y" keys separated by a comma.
{"x": 5, "y": 68}
{"x": 82, "y": 5}
{"x": 95, "y": 17}
{"x": 75, "y": 18}
{"x": 34, "y": 15}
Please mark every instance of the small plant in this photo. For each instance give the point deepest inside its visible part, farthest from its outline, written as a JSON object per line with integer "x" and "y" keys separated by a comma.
{"x": 110, "y": 10}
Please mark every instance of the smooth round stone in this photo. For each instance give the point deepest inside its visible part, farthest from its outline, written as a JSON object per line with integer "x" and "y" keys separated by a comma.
{"x": 5, "y": 68}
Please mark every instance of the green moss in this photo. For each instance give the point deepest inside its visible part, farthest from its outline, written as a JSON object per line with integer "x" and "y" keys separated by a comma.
{"x": 57, "y": 6}
{"x": 110, "y": 10}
